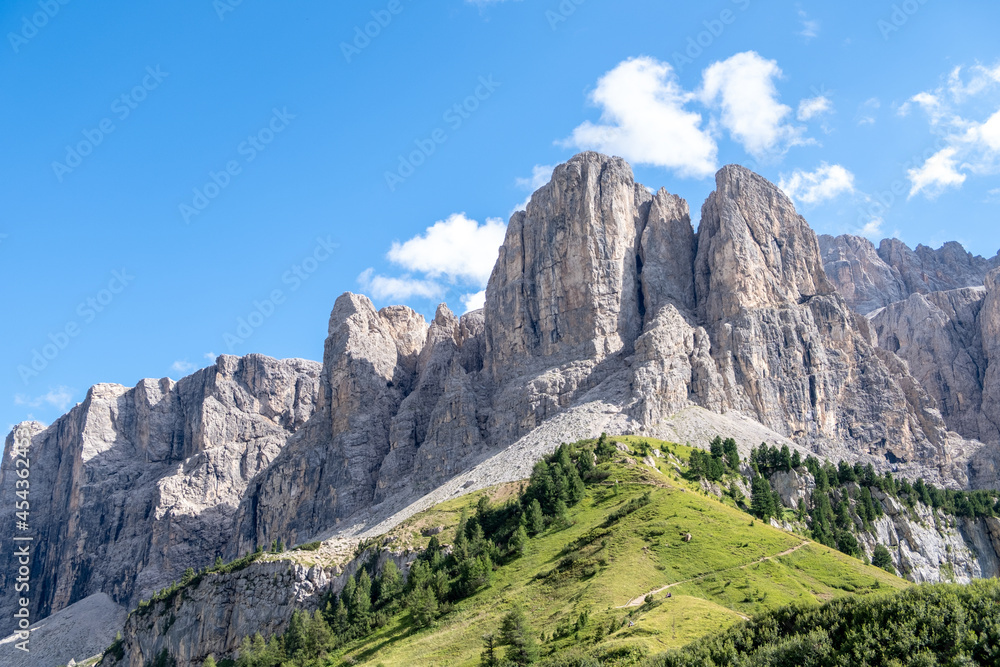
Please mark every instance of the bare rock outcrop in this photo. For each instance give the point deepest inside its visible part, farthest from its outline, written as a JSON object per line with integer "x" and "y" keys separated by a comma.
{"x": 870, "y": 279}
{"x": 789, "y": 350}
{"x": 863, "y": 278}
{"x": 605, "y": 311}
{"x": 133, "y": 486}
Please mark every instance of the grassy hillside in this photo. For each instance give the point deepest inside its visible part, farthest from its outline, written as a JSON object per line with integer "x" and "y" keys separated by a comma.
{"x": 733, "y": 567}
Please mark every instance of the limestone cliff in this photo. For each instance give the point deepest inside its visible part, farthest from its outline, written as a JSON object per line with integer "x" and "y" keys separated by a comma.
{"x": 870, "y": 278}
{"x": 605, "y": 311}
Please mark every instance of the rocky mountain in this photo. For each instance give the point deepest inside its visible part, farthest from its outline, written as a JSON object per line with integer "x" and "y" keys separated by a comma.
{"x": 133, "y": 486}
{"x": 605, "y": 311}
{"x": 948, "y": 341}
{"x": 870, "y": 279}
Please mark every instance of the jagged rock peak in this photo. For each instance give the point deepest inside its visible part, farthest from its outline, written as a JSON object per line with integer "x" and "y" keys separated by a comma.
{"x": 870, "y": 278}
{"x": 566, "y": 284}
{"x": 754, "y": 249}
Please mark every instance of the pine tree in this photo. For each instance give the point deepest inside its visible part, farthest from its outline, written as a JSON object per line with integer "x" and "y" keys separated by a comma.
{"x": 560, "y": 514}
{"x": 715, "y": 447}
{"x": 761, "y": 499}
{"x": 423, "y": 607}
{"x": 489, "y": 657}
{"x": 390, "y": 584}
{"x": 218, "y": 561}
{"x": 517, "y": 636}
{"x": 883, "y": 559}
{"x": 785, "y": 458}
{"x": 536, "y": 521}
{"x": 518, "y": 541}
{"x": 295, "y": 635}
{"x": 318, "y": 633}
{"x": 731, "y": 453}
{"x": 209, "y": 661}
{"x": 361, "y": 601}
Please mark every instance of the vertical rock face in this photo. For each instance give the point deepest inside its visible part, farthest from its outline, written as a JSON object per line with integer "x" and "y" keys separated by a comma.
{"x": 989, "y": 330}
{"x": 565, "y": 286}
{"x": 790, "y": 351}
{"x": 927, "y": 270}
{"x": 754, "y": 250}
{"x": 397, "y": 415}
{"x": 135, "y": 485}
{"x": 667, "y": 252}
{"x": 870, "y": 279}
{"x": 938, "y": 335}
{"x": 863, "y": 278}
{"x": 604, "y": 308}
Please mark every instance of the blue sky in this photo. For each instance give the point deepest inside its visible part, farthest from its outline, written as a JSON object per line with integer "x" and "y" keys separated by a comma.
{"x": 185, "y": 180}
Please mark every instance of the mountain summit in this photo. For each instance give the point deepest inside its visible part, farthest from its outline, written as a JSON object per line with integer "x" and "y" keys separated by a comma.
{"x": 605, "y": 311}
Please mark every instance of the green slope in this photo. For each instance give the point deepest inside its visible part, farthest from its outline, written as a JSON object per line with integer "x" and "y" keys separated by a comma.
{"x": 733, "y": 567}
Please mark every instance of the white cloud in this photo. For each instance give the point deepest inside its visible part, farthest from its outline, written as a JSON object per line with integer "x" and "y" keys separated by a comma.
{"x": 399, "y": 289}
{"x": 810, "y": 27}
{"x": 970, "y": 146}
{"x": 540, "y": 175}
{"x": 211, "y": 356}
{"x": 814, "y": 106}
{"x": 474, "y": 301}
{"x": 937, "y": 174}
{"x": 183, "y": 367}
{"x": 60, "y": 398}
{"x": 458, "y": 248}
{"x": 867, "y": 111}
{"x": 644, "y": 119}
{"x": 743, "y": 86}
{"x": 872, "y": 230}
{"x": 812, "y": 187}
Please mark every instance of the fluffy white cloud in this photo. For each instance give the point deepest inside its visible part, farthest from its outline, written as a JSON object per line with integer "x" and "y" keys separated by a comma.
{"x": 458, "y": 248}
{"x": 814, "y": 106}
{"x": 970, "y": 146}
{"x": 937, "y": 174}
{"x": 873, "y": 229}
{"x": 644, "y": 119}
{"x": 743, "y": 86}
{"x": 60, "y": 398}
{"x": 183, "y": 367}
{"x": 398, "y": 289}
{"x": 474, "y": 301}
{"x": 812, "y": 187}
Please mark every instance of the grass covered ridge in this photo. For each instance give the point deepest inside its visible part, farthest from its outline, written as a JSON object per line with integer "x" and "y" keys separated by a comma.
{"x": 600, "y": 565}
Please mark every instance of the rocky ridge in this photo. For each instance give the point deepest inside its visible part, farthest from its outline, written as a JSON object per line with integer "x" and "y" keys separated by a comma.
{"x": 870, "y": 278}
{"x": 605, "y": 311}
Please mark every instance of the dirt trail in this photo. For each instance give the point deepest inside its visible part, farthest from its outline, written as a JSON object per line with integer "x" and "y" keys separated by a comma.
{"x": 636, "y": 602}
